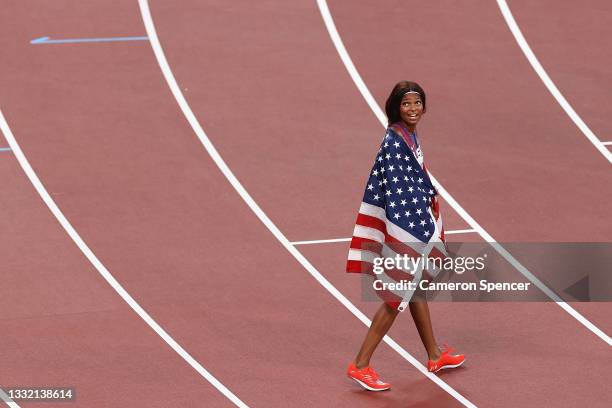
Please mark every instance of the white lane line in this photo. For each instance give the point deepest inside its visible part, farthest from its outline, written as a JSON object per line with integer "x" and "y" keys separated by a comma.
{"x": 328, "y": 241}
{"x": 348, "y": 63}
{"x": 550, "y": 85}
{"x": 320, "y": 241}
{"x": 214, "y": 154}
{"x": 463, "y": 231}
{"x": 7, "y": 400}
{"x": 25, "y": 165}
{"x": 607, "y": 143}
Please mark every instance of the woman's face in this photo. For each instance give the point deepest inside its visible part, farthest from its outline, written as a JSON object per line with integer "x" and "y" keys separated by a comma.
{"x": 411, "y": 109}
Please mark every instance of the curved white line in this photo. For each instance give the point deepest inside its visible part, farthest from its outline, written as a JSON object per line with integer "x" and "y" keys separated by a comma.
{"x": 40, "y": 188}
{"x": 550, "y": 85}
{"x": 348, "y": 63}
{"x": 212, "y": 151}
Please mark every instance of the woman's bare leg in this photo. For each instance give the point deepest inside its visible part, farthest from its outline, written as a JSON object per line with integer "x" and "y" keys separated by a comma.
{"x": 381, "y": 323}
{"x": 420, "y": 314}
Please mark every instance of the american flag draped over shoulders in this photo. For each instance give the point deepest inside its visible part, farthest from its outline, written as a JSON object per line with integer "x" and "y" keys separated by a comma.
{"x": 399, "y": 211}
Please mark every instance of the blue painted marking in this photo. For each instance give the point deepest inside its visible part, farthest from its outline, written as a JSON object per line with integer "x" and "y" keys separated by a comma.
{"x": 48, "y": 40}
{"x": 5, "y": 149}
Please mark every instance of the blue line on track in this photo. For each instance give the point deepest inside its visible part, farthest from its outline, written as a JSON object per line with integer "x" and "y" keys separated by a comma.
{"x": 48, "y": 40}
{"x": 5, "y": 149}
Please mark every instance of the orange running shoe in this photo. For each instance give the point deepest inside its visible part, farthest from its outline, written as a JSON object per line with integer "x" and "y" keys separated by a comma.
{"x": 367, "y": 378}
{"x": 446, "y": 360}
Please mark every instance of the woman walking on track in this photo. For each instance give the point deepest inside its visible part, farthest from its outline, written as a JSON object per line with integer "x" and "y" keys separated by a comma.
{"x": 399, "y": 214}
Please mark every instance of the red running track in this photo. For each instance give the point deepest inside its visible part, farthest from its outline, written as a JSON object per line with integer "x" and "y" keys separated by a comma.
{"x": 107, "y": 139}
{"x": 548, "y": 183}
{"x": 571, "y": 41}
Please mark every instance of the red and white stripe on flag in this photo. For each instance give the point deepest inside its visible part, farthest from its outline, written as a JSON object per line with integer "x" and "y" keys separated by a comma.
{"x": 375, "y": 236}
